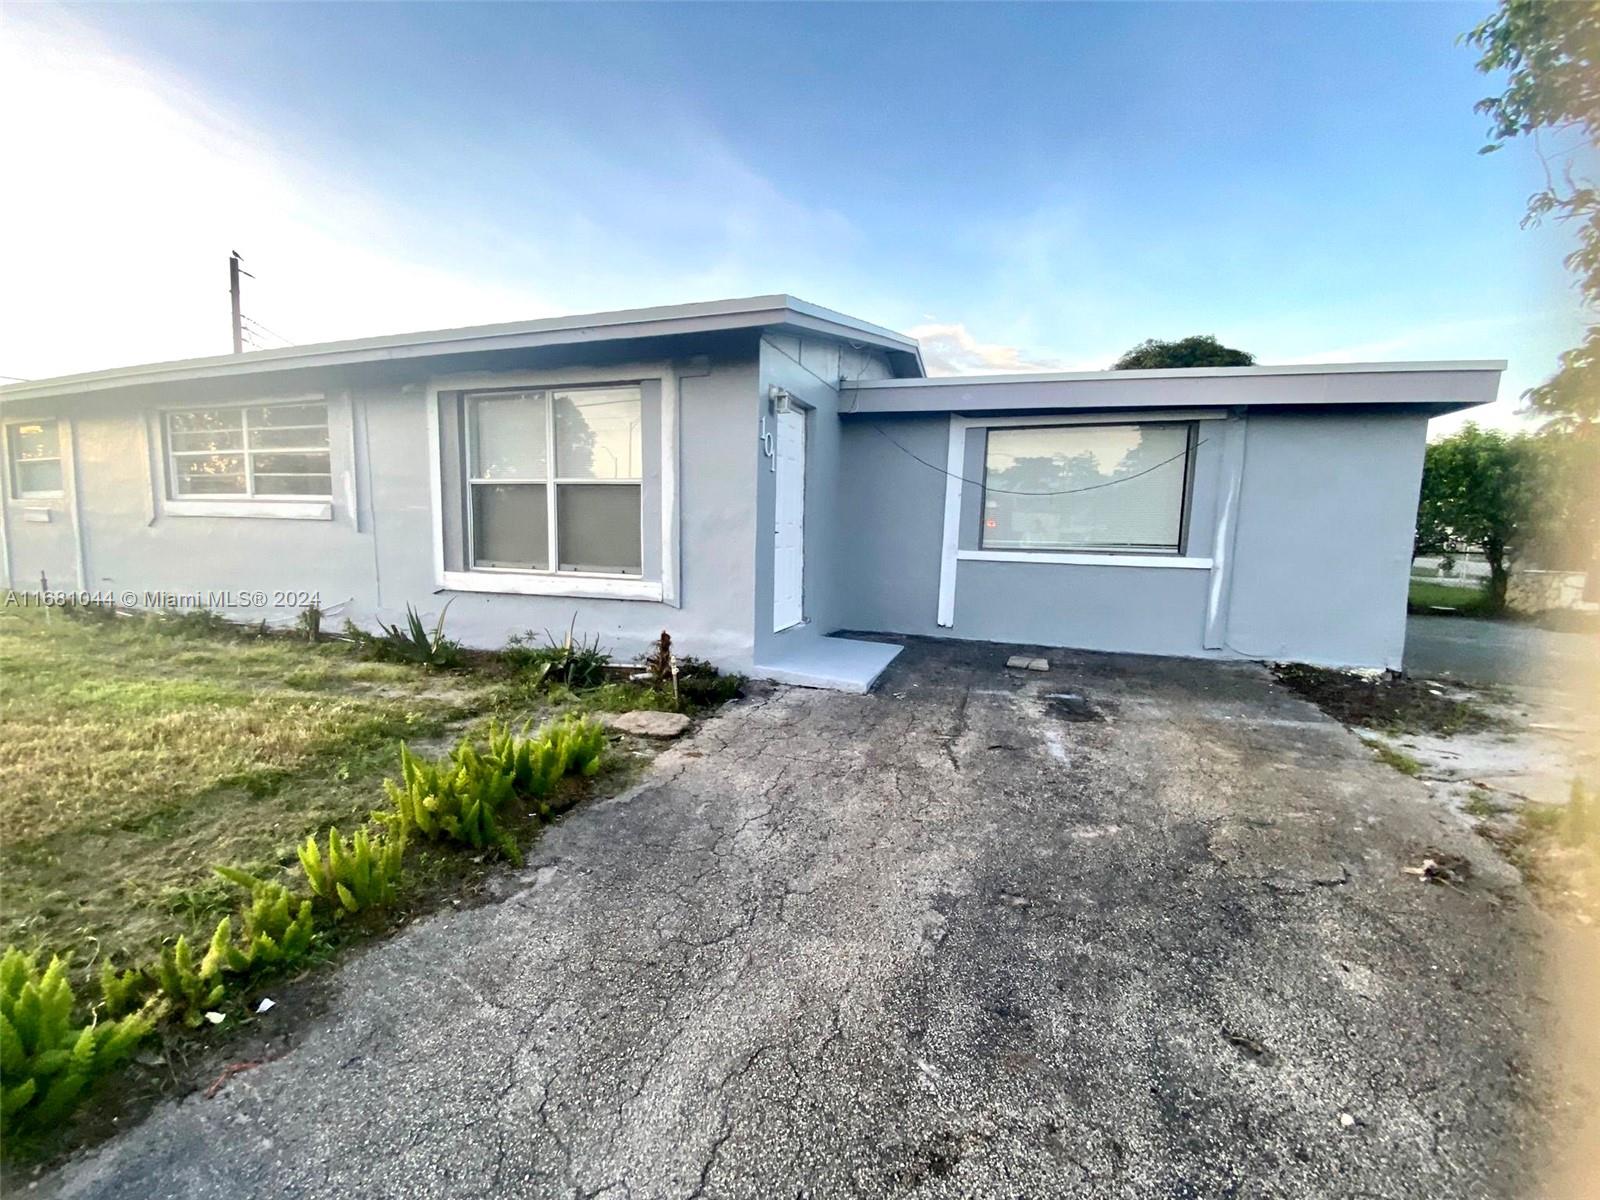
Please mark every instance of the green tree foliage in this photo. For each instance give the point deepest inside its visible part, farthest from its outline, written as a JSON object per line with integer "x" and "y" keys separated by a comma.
{"x": 1549, "y": 51}
{"x": 1479, "y": 492}
{"x": 48, "y": 1055}
{"x": 1202, "y": 350}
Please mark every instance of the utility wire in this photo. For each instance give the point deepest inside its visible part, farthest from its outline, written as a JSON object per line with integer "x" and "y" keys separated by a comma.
{"x": 257, "y": 325}
{"x": 17, "y": 378}
{"x": 1093, "y": 487}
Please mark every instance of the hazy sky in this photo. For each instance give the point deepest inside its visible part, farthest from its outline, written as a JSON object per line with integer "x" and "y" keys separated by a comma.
{"x": 1022, "y": 187}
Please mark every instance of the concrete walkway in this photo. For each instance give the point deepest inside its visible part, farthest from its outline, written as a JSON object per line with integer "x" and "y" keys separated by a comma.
{"x": 1134, "y": 927}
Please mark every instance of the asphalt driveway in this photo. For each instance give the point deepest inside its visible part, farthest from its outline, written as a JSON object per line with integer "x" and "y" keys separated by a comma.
{"x": 1134, "y": 927}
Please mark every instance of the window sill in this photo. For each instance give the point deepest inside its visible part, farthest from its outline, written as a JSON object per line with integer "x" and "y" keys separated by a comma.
{"x": 280, "y": 510}
{"x": 1087, "y": 560}
{"x": 594, "y": 587}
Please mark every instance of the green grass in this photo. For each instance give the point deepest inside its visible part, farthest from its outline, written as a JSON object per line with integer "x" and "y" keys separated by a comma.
{"x": 1426, "y": 596}
{"x": 138, "y": 752}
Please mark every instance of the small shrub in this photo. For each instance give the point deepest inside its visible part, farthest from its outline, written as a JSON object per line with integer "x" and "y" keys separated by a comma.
{"x": 701, "y": 685}
{"x": 310, "y": 622}
{"x": 574, "y": 662}
{"x": 275, "y": 931}
{"x": 360, "y": 875}
{"x": 48, "y": 1058}
{"x": 189, "y": 990}
{"x": 456, "y": 799}
{"x": 414, "y": 643}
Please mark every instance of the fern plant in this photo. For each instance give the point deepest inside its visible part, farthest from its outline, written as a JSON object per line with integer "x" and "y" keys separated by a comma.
{"x": 48, "y": 1058}
{"x": 456, "y": 799}
{"x": 536, "y": 763}
{"x": 361, "y": 874}
{"x": 123, "y": 992}
{"x": 188, "y": 989}
{"x": 275, "y": 931}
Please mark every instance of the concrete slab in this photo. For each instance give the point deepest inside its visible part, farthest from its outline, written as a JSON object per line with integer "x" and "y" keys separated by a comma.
{"x": 836, "y": 663}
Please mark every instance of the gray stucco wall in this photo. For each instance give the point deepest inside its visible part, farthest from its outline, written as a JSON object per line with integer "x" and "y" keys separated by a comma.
{"x": 1322, "y": 556}
{"x": 1316, "y": 567}
{"x": 809, "y": 368}
{"x": 375, "y": 555}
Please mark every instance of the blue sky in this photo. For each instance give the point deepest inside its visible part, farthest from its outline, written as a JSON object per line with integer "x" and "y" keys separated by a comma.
{"x": 1024, "y": 187}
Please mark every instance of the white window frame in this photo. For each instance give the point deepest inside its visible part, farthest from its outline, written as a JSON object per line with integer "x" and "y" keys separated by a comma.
{"x": 955, "y": 464}
{"x": 17, "y": 490}
{"x": 306, "y": 507}
{"x": 575, "y": 584}
{"x": 551, "y": 482}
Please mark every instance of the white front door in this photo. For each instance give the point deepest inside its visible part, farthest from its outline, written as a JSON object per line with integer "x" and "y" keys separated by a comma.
{"x": 789, "y": 533}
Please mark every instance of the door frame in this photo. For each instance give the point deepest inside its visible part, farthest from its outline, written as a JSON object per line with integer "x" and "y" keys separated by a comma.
{"x": 783, "y": 403}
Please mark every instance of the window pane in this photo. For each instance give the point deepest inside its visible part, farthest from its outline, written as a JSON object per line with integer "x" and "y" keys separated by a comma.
{"x": 211, "y": 475}
{"x": 207, "y": 439}
{"x": 204, "y": 420}
{"x": 507, "y": 436}
{"x": 1136, "y": 473}
{"x": 294, "y": 485}
{"x": 35, "y": 439}
{"x": 38, "y": 477}
{"x": 598, "y": 527}
{"x": 598, "y": 434}
{"x": 310, "y": 463}
{"x": 509, "y": 526}
{"x": 271, "y": 416}
{"x": 306, "y": 438}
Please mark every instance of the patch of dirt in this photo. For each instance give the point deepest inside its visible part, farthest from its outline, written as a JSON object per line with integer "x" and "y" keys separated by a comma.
{"x": 1391, "y": 704}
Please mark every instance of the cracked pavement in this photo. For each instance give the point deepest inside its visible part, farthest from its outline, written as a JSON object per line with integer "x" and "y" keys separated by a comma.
{"x": 1132, "y": 927}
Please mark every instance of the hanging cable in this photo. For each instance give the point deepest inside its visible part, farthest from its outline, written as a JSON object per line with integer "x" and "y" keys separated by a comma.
{"x": 1093, "y": 487}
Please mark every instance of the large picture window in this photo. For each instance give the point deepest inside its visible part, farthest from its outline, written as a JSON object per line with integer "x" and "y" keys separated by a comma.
{"x": 1106, "y": 488}
{"x": 257, "y": 451}
{"x": 556, "y": 480}
{"x": 35, "y": 448}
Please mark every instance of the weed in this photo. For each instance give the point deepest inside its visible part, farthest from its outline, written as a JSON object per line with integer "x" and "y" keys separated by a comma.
{"x": 1394, "y": 757}
{"x": 414, "y": 643}
{"x": 575, "y": 662}
{"x": 1480, "y": 804}
{"x": 310, "y": 622}
{"x": 1393, "y": 705}
{"x": 48, "y": 1058}
{"x": 123, "y": 992}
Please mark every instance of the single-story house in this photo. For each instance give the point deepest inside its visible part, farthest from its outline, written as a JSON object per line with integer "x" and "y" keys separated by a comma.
{"x": 753, "y": 475}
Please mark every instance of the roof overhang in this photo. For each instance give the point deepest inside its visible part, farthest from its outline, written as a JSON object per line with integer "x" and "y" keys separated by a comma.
{"x": 778, "y": 313}
{"x": 1431, "y": 387}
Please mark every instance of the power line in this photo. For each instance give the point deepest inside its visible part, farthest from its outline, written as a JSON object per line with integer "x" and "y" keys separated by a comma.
{"x": 1093, "y": 487}
{"x": 255, "y": 324}
{"x": 17, "y": 378}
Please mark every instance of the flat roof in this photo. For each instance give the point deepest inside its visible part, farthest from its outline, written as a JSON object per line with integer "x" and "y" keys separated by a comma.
{"x": 1436, "y": 387}
{"x": 751, "y": 312}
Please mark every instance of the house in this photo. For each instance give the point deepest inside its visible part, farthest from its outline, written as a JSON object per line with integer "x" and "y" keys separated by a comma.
{"x": 753, "y": 475}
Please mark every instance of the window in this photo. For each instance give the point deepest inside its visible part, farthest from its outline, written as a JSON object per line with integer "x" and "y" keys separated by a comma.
{"x": 1086, "y": 488}
{"x": 256, "y": 451}
{"x": 35, "y": 458}
{"x": 556, "y": 476}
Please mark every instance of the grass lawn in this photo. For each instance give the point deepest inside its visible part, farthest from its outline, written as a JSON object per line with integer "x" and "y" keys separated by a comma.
{"x": 1426, "y": 596}
{"x": 137, "y": 753}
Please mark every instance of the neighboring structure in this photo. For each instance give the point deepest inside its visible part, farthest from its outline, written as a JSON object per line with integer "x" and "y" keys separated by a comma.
{"x": 752, "y": 475}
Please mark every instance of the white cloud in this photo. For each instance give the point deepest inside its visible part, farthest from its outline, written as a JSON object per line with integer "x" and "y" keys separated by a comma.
{"x": 952, "y": 349}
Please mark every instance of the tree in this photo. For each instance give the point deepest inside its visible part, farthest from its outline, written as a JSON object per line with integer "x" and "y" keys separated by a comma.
{"x": 1549, "y": 50}
{"x": 1202, "y": 350}
{"x": 1480, "y": 491}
